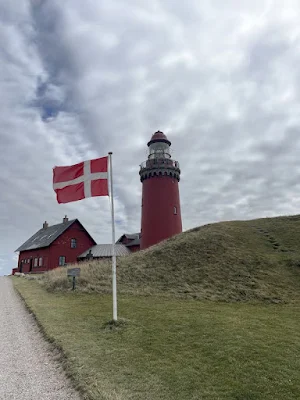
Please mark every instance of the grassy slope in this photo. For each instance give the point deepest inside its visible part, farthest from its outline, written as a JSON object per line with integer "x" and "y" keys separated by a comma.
{"x": 255, "y": 260}
{"x": 172, "y": 349}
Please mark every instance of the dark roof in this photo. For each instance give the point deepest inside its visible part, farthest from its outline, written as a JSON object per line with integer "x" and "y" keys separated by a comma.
{"x": 105, "y": 250}
{"x": 130, "y": 236}
{"x": 44, "y": 237}
{"x": 135, "y": 242}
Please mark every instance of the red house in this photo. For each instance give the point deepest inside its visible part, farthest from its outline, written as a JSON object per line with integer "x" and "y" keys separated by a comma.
{"x": 131, "y": 240}
{"x": 54, "y": 246}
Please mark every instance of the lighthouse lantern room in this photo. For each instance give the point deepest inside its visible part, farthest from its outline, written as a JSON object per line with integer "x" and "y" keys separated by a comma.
{"x": 159, "y": 174}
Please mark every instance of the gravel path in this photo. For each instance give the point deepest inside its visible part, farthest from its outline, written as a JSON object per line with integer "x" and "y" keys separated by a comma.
{"x": 28, "y": 370}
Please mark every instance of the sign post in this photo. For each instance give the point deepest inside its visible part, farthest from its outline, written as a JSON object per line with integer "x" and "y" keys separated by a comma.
{"x": 73, "y": 272}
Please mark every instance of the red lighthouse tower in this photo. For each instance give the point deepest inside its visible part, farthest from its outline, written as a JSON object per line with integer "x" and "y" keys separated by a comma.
{"x": 161, "y": 215}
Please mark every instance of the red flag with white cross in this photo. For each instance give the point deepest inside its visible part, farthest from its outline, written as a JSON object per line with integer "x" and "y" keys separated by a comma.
{"x": 82, "y": 180}
{"x": 89, "y": 179}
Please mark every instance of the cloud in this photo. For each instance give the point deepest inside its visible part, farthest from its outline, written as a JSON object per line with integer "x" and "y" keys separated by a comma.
{"x": 79, "y": 79}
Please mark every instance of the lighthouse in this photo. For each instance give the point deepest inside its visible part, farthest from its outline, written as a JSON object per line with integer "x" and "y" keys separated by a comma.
{"x": 159, "y": 174}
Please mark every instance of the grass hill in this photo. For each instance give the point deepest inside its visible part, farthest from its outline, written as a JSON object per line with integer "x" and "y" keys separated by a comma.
{"x": 257, "y": 260}
{"x": 167, "y": 346}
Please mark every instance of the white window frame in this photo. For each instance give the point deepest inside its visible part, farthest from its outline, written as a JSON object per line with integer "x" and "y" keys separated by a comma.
{"x": 74, "y": 240}
{"x": 40, "y": 261}
{"x": 36, "y": 262}
{"x": 59, "y": 260}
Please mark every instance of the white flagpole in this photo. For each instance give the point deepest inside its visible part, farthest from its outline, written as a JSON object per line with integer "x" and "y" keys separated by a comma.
{"x": 114, "y": 261}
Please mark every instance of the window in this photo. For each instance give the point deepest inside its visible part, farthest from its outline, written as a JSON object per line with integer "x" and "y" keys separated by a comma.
{"x": 35, "y": 261}
{"x": 28, "y": 261}
{"x": 175, "y": 210}
{"x": 73, "y": 243}
{"x": 40, "y": 261}
{"x": 62, "y": 261}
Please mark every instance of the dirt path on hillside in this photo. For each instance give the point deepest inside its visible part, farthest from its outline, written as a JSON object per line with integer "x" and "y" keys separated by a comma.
{"x": 28, "y": 370}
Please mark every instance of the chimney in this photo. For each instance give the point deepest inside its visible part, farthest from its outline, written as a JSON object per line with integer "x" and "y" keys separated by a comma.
{"x": 45, "y": 225}
{"x": 65, "y": 220}
{"x": 89, "y": 256}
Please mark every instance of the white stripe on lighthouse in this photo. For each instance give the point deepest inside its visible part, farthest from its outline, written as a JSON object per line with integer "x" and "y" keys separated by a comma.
{"x": 86, "y": 178}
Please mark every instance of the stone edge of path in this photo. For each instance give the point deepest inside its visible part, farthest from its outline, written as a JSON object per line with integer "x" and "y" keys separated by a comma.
{"x": 56, "y": 352}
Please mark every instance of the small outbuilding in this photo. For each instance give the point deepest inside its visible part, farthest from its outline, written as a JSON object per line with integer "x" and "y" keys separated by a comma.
{"x": 131, "y": 240}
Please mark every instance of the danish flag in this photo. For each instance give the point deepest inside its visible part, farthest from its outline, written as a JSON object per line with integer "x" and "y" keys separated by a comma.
{"x": 80, "y": 181}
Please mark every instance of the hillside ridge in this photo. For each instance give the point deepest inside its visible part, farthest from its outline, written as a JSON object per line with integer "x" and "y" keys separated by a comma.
{"x": 255, "y": 260}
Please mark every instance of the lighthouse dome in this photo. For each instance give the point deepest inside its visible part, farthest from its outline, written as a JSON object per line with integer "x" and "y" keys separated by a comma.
{"x": 159, "y": 137}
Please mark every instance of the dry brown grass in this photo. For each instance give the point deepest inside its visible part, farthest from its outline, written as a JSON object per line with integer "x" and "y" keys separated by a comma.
{"x": 231, "y": 261}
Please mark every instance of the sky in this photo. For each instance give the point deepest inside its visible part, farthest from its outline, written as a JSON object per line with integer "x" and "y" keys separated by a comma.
{"x": 80, "y": 78}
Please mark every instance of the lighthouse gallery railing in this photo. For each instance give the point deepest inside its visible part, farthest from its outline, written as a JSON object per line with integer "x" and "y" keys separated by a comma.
{"x": 159, "y": 163}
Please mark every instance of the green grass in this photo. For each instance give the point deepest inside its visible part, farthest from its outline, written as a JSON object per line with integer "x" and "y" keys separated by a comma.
{"x": 212, "y": 313}
{"x": 170, "y": 348}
